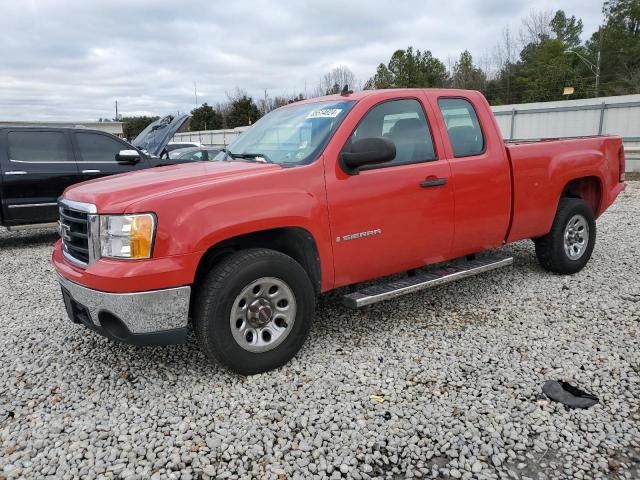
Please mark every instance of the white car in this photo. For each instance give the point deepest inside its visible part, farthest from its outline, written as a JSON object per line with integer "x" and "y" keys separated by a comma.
{"x": 171, "y": 146}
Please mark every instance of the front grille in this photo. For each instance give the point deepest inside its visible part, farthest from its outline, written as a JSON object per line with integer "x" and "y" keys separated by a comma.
{"x": 74, "y": 231}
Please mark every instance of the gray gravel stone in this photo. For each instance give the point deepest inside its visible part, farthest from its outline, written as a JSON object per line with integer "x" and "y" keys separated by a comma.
{"x": 460, "y": 369}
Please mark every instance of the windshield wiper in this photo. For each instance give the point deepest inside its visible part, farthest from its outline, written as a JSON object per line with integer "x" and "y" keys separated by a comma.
{"x": 254, "y": 157}
{"x": 227, "y": 154}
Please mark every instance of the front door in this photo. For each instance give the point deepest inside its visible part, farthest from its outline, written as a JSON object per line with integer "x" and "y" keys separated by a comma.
{"x": 97, "y": 155}
{"x": 395, "y": 216}
{"x": 37, "y": 166}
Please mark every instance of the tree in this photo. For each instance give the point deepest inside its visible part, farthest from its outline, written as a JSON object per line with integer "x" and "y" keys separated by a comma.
{"x": 268, "y": 103}
{"x": 567, "y": 30}
{"x": 243, "y": 111}
{"x": 334, "y": 81}
{"x": 132, "y": 126}
{"x": 407, "y": 68}
{"x": 545, "y": 69}
{"x": 505, "y": 55}
{"x": 466, "y": 75}
{"x": 281, "y": 101}
{"x": 624, "y": 14}
{"x": 536, "y": 27}
{"x": 506, "y": 50}
{"x": 545, "y": 65}
{"x": 619, "y": 45}
{"x": 205, "y": 117}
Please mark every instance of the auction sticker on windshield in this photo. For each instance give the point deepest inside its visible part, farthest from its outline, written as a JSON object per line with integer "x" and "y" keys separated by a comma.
{"x": 325, "y": 113}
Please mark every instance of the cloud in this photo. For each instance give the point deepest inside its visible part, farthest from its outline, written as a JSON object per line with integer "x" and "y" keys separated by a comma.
{"x": 63, "y": 59}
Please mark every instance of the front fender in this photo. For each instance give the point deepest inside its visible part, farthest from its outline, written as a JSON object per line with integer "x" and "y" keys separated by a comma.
{"x": 196, "y": 219}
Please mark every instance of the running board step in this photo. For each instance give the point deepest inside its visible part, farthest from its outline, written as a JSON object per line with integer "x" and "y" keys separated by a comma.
{"x": 428, "y": 279}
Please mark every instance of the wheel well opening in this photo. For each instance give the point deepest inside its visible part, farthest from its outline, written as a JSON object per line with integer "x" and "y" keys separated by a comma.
{"x": 587, "y": 189}
{"x": 295, "y": 242}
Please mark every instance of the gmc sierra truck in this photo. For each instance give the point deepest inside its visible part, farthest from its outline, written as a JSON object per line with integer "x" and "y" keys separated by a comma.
{"x": 320, "y": 194}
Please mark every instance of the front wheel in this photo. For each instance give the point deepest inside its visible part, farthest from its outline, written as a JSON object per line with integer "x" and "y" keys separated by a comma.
{"x": 254, "y": 310}
{"x": 568, "y": 246}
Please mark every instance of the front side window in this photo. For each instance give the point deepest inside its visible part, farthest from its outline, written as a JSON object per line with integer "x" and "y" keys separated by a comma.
{"x": 404, "y": 123}
{"x": 95, "y": 147}
{"x": 33, "y": 146}
{"x": 463, "y": 126}
{"x": 292, "y": 135}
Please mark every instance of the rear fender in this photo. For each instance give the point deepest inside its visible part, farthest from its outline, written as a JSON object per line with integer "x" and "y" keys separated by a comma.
{"x": 544, "y": 172}
{"x": 588, "y": 189}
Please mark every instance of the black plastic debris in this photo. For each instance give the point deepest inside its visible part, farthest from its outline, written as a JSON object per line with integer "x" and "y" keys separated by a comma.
{"x": 568, "y": 395}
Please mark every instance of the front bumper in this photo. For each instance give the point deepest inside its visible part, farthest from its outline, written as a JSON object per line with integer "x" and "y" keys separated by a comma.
{"x": 157, "y": 317}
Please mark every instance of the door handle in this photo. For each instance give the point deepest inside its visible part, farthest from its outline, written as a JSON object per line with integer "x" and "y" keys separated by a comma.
{"x": 433, "y": 182}
{"x": 16, "y": 172}
{"x": 90, "y": 171}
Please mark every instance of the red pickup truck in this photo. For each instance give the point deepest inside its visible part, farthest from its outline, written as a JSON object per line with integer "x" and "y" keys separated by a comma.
{"x": 320, "y": 194}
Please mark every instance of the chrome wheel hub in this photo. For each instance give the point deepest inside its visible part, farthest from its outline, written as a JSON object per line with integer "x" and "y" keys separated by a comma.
{"x": 260, "y": 312}
{"x": 263, "y": 314}
{"x": 576, "y": 237}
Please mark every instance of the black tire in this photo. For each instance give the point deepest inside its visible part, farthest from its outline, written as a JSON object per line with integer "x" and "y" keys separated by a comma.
{"x": 216, "y": 297}
{"x": 550, "y": 249}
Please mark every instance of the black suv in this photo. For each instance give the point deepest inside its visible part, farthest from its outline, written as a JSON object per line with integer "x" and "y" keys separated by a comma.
{"x": 38, "y": 163}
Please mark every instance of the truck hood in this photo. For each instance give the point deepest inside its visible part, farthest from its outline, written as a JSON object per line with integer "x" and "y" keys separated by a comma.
{"x": 115, "y": 193}
{"x": 155, "y": 137}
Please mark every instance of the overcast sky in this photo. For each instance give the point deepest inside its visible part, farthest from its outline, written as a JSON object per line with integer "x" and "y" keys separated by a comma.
{"x": 63, "y": 59}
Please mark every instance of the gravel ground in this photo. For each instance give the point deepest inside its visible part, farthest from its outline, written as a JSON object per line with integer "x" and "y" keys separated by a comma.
{"x": 457, "y": 370}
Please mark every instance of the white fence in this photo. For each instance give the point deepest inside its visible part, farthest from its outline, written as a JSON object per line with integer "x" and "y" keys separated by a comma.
{"x": 210, "y": 137}
{"x": 568, "y": 118}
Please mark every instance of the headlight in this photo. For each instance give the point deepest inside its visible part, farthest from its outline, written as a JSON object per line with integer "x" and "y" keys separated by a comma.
{"x": 127, "y": 236}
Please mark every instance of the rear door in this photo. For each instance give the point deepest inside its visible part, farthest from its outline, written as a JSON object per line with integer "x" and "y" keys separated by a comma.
{"x": 480, "y": 172}
{"x": 96, "y": 154}
{"x": 37, "y": 165}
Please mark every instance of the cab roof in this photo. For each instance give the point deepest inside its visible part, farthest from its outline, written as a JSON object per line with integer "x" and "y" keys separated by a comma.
{"x": 390, "y": 92}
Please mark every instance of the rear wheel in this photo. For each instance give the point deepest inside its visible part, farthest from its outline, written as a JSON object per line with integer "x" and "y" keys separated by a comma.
{"x": 568, "y": 246}
{"x": 254, "y": 310}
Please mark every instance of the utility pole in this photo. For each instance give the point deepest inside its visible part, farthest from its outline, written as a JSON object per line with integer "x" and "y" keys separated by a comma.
{"x": 594, "y": 67}
{"x": 195, "y": 92}
{"x": 598, "y": 60}
{"x": 116, "y": 110}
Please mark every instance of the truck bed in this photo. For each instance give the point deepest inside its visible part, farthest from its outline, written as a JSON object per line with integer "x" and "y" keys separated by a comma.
{"x": 542, "y": 168}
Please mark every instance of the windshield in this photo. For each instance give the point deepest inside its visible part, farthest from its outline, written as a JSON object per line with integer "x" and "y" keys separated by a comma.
{"x": 290, "y": 135}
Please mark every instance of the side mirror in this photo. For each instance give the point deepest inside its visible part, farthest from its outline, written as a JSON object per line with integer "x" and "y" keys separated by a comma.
{"x": 128, "y": 157}
{"x": 368, "y": 151}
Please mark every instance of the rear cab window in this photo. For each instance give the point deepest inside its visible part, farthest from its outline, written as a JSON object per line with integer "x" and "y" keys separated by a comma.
{"x": 32, "y": 146}
{"x": 402, "y": 121}
{"x": 463, "y": 127}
